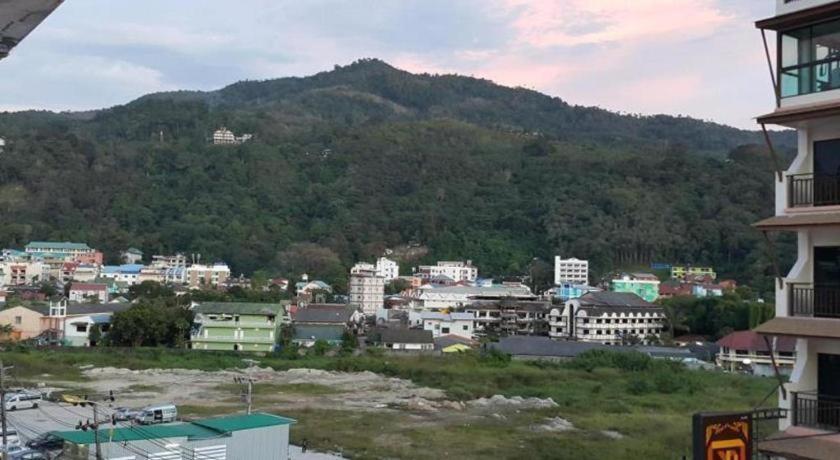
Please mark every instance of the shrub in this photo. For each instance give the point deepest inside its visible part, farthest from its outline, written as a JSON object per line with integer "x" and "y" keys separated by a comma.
{"x": 320, "y": 347}
{"x": 494, "y": 358}
{"x": 638, "y": 385}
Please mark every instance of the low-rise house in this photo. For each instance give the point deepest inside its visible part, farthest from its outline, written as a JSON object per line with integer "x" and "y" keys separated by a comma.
{"x": 327, "y": 322}
{"x": 398, "y": 339}
{"x": 85, "y": 292}
{"x": 307, "y": 287}
{"x": 456, "y": 270}
{"x": 79, "y": 252}
{"x": 460, "y": 324}
{"x": 25, "y": 321}
{"x": 454, "y": 343}
{"x": 257, "y": 436}
{"x": 609, "y": 318}
{"x": 544, "y": 348}
{"x": 747, "y": 351}
{"x": 681, "y": 271}
{"x": 509, "y": 317}
{"x": 568, "y": 291}
{"x": 237, "y": 326}
{"x": 126, "y": 273}
{"x": 74, "y": 322}
{"x": 85, "y": 273}
{"x": 3, "y": 295}
{"x": 132, "y": 256}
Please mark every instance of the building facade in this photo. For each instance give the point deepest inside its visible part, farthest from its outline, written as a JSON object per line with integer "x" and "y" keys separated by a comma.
{"x": 643, "y": 285}
{"x": 459, "y": 324}
{"x": 200, "y": 276}
{"x": 807, "y": 89}
{"x": 237, "y": 326}
{"x": 85, "y": 292}
{"x": 367, "y": 290}
{"x": 681, "y": 271}
{"x": 455, "y": 270}
{"x": 609, "y": 318}
{"x": 570, "y": 271}
{"x": 746, "y": 351}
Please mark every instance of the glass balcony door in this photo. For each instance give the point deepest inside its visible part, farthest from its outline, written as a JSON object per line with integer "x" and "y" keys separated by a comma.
{"x": 827, "y": 172}
{"x": 826, "y": 301}
{"x": 828, "y": 390}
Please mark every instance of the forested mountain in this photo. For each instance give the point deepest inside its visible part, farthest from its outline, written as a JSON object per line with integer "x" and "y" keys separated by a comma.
{"x": 348, "y": 162}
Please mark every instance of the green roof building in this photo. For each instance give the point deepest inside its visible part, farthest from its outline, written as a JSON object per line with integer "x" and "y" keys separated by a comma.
{"x": 258, "y": 436}
{"x": 238, "y": 326}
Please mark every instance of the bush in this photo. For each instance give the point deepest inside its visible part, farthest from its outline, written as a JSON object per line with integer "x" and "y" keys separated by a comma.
{"x": 494, "y": 358}
{"x": 320, "y": 347}
{"x": 638, "y": 386}
{"x": 631, "y": 361}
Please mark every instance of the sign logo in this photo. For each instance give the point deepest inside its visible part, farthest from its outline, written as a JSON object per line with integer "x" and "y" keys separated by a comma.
{"x": 726, "y": 436}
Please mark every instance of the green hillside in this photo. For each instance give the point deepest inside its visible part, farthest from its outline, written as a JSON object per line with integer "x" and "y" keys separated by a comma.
{"x": 348, "y": 162}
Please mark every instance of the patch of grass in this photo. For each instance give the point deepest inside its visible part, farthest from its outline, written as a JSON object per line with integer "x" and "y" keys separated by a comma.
{"x": 145, "y": 388}
{"x": 272, "y": 389}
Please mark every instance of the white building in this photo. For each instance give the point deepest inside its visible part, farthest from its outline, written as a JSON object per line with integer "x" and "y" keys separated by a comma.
{"x": 224, "y": 136}
{"x": 85, "y": 292}
{"x": 609, "y": 318}
{"x": 573, "y": 270}
{"x": 807, "y": 95}
{"x": 388, "y": 269}
{"x": 206, "y": 276}
{"x": 432, "y": 298}
{"x": 2, "y": 144}
{"x": 367, "y": 290}
{"x": 457, "y": 271}
{"x": 458, "y": 324}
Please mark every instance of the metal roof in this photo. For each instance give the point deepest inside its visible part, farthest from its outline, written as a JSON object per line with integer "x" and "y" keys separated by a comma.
{"x": 339, "y": 314}
{"x": 406, "y": 336}
{"x": 56, "y": 245}
{"x": 19, "y": 18}
{"x": 197, "y": 430}
{"x": 240, "y": 308}
{"x": 244, "y": 422}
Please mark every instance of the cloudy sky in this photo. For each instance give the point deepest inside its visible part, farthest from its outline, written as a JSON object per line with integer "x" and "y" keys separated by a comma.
{"x": 702, "y": 58}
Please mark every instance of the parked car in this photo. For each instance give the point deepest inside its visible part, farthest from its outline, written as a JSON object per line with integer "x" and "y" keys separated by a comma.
{"x": 46, "y": 441}
{"x": 22, "y": 400}
{"x": 122, "y": 414}
{"x": 12, "y": 439}
{"x": 163, "y": 413}
{"x": 27, "y": 454}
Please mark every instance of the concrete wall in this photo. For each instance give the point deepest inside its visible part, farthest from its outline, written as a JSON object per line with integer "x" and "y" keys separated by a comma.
{"x": 30, "y": 321}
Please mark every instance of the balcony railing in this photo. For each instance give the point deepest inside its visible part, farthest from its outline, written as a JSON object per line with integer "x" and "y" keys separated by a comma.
{"x": 806, "y": 190}
{"x": 815, "y": 410}
{"x": 819, "y": 301}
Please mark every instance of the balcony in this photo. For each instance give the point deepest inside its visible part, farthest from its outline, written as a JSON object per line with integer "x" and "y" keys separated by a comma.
{"x": 200, "y": 338}
{"x": 809, "y": 190}
{"x": 813, "y": 410}
{"x": 819, "y": 302}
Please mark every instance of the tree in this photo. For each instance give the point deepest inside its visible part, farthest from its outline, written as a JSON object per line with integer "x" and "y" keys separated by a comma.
{"x": 397, "y": 286}
{"x": 94, "y": 335}
{"x": 152, "y": 323}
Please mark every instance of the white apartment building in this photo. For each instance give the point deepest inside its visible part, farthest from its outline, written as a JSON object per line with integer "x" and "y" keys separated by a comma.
{"x": 18, "y": 273}
{"x": 388, "y": 269}
{"x": 223, "y": 136}
{"x": 572, "y": 270}
{"x": 458, "y": 324}
{"x": 203, "y": 276}
{"x": 609, "y": 318}
{"x": 384, "y": 267}
{"x": 807, "y": 93}
{"x": 433, "y": 298}
{"x": 367, "y": 290}
{"x": 457, "y": 271}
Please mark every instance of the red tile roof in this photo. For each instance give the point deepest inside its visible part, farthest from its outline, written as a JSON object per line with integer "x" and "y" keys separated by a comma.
{"x": 88, "y": 287}
{"x": 752, "y": 341}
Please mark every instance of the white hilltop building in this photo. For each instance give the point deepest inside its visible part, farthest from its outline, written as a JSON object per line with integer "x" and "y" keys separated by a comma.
{"x": 224, "y": 136}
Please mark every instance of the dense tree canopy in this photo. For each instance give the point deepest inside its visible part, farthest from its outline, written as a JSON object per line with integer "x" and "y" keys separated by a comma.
{"x": 348, "y": 162}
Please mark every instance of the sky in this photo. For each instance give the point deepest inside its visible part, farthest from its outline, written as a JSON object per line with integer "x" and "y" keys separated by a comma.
{"x": 700, "y": 58}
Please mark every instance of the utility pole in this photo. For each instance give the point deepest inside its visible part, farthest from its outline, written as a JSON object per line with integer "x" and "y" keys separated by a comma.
{"x": 96, "y": 432}
{"x": 3, "y": 403}
{"x": 248, "y": 382}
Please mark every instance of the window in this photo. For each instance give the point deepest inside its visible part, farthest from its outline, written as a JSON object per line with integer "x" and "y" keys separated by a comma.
{"x": 444, "y": 330}
{"x": 81, "y": 328}
{"x": 18, "y": 320}
{"x": 810, "y": 59}
{"x": 586, "y": 332}
{"x": 465, "y": 327}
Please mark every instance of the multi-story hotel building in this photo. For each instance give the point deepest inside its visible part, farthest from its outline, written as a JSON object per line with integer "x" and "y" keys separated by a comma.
{"x": 609, "y": 318}
{"x": 455, "y": 270}
{"x": 570, "y": 270}
{"x": 806, "y": 82}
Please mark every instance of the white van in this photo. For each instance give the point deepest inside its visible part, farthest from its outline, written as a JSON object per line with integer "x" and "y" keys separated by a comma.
{"x": 22, "y": 400}
{"x": 150, "y": 415}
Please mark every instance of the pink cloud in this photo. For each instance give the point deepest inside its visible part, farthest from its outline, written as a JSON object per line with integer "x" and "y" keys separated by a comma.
{"x": 544, "y": 23}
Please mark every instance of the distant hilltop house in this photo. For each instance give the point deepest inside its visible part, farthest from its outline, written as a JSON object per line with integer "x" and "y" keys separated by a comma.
{"x": 2, "y": 144}
{"x": 681, "y": 271}
{"x": 224, "y": 136}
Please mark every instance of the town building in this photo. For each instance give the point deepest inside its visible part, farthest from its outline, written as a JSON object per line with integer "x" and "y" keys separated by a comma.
{"x": 224, "y": 136}
{"x": 25, "y": 321}
{"x": 430, "y": 297}
{"x": 570, "y": 271}
{"x": 406, "y": 340}
{"x": 200, "y": 276}
{"x": 126, "y": 273}
{"x": 327, "y": 322}
{"x": 256, "y": 436}
{"x": 806, "y": 83}
{"x": 461, "y": 324}
{"x": 367, "y": 289}
{"x": 455, "y": 270}
{"x": 681, "y": 271}
{"x": 132, "y": 256}
{"x": 566, "y": 291}
{"x": 644, "y": 285}
{"x": 22, "y": 272}
{"x": 509, "y": 316}
{"x": 85, "y": 292}
{"x": 73, "y": 322}
{"x": 237, "y": 326}
{"x": 747, "y": 351}
{"x": 609, "y": 318}
{"x": 79, "y": 252}
{"x": 387, "y": 268}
